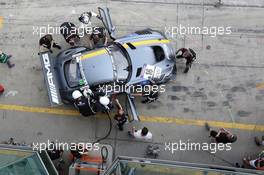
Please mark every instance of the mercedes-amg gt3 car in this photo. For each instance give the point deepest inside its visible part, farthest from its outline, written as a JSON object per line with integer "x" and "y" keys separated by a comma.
{"x": 145, "y": 55}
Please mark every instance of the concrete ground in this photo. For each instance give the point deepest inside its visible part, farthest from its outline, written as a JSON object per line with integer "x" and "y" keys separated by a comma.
{"x": 224, "y": 85}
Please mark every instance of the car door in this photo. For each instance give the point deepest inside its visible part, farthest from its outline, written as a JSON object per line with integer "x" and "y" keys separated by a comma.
{"x": 132, "y": 107}
{"x": 107, "y": 21}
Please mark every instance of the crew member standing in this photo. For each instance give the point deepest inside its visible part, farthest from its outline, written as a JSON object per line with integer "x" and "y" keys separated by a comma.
{"x": 5, "y": 58}
{"x": 2, "y": 89}
{"x": 98, "y": 37}
{"x": 222, "y": 136}
{"x": 259, "y": 142}
{"x": 70, "y": 33}
{"x": 47, "y": 42}
{"x": 120, "y": 117}
{"x": 151, "y": 97}
{"x": 85, "y": 19}
{"x": 189, "y": 55}
{"x": 142, "y": 134}
{"x": 149, "y": 93}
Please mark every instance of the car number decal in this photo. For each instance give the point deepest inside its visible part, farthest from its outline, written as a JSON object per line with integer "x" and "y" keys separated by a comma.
{"x": 151, "y": 72}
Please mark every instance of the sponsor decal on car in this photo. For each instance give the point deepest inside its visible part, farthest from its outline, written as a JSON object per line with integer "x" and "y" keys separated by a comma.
{"x": 50, "y": 80}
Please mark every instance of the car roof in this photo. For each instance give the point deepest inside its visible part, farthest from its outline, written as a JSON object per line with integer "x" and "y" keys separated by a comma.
{"x": 97, "y": 66}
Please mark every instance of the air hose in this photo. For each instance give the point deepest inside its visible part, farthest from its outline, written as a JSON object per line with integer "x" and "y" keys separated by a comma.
{"x": 109, "y": 131}
{"x": 104, "y": 150}
{"x": 104, "y": 155}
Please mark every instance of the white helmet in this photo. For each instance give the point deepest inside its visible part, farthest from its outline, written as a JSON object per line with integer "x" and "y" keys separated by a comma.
{"x": 85, "y": 17}
{"x": 104, "y": 100}
{"x": 76, "y": 94}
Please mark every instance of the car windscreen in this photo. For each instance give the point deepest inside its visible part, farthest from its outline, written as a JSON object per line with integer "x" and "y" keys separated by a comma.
{"x": 72, "y": 73}
{"x": 120, "y": 62}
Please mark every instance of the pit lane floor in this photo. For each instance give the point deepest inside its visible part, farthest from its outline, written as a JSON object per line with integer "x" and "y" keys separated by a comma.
{"x": 224, "y": 86}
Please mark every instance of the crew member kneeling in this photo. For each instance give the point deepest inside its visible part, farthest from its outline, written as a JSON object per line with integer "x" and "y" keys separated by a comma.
{"x": 82, "y": 103}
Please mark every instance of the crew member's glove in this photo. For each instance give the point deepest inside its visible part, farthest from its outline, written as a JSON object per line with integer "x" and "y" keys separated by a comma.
{"x": 87, "y": 92}
{"x": 93, "y": 14}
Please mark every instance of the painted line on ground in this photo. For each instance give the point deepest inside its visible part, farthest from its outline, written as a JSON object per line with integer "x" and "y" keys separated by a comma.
{"x": 153, "y": 119}
{"x": 195, "y": 122}
{"x": 56, "y": 111}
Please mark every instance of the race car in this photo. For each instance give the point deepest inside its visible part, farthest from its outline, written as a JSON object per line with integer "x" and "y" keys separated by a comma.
{"x": 140, "y": 57}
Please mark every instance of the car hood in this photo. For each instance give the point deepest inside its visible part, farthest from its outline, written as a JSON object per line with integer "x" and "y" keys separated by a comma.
{"x": 97, "y": 67}
{"x": 139, "y": 57}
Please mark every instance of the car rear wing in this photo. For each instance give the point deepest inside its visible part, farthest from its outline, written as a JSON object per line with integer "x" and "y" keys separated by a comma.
{"x": 107, "y": 21}
{"x": 50, "y": 78}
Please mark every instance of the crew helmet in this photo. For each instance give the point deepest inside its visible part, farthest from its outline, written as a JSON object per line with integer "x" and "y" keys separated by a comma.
{"x": 104, "y": 100}
{"x": 76, "y": 94}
